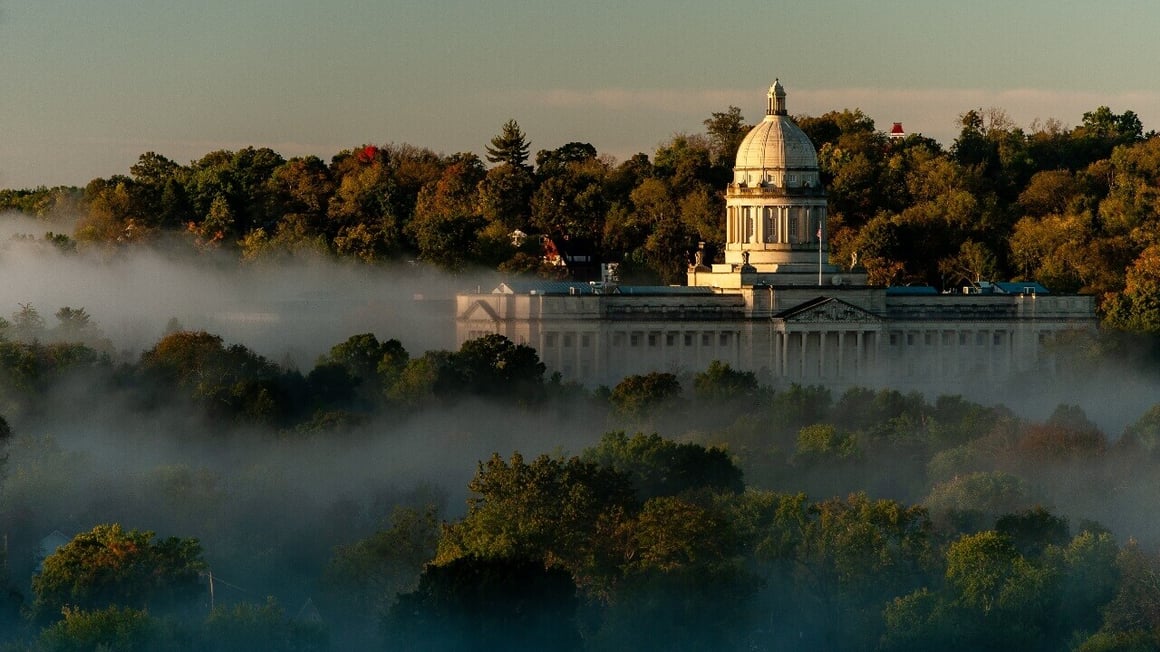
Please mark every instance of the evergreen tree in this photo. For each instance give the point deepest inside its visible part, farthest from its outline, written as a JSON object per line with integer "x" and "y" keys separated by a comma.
{"x": 510, "y": 146}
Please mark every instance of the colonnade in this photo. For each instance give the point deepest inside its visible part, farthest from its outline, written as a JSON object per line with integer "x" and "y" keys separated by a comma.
{"x": 772, "y": 224}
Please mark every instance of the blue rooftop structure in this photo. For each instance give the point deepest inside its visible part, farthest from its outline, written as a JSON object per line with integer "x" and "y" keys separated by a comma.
{"x": 523, "y": 286}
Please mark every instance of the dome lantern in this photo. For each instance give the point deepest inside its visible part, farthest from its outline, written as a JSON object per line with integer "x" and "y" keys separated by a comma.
{"x": 776, "y": 97}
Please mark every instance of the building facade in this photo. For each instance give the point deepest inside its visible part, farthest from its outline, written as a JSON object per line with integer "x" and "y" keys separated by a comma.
{"x": 777, "y": 306}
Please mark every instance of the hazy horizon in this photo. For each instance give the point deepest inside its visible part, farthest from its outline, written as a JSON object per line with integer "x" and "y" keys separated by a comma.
{"x": 91, "y": 87}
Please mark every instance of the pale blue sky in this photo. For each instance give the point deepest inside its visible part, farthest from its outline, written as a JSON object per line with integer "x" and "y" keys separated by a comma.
{"x": 86, "y": 87}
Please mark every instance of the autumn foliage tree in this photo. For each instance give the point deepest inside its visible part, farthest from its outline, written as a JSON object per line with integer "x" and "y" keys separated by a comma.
{"x": 108, "y": 566}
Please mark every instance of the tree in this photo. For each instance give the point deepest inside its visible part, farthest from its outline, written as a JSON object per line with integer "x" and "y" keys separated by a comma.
{"x": 509, "y": 147}
{"x": 366, "y": 576}
{"x": 667, "y": 240}
{"x": 561, "y": 512}
{"x": 27, "y": 324}
{"x": 1032, "y": 531}
{"x": 371, "y": 365}
{"x": 1006, "y": 596}
{"x": 1145, "y": 431}
{"x": 570, "y": 200}
{"x": 495, "y": 366}
{"x": 659, "y": 467}
{"x": 823, "y": 443}
{"x": 476, "y": 604}
{"x": 113, "y": 628}
{"x": 1136, "y": 605}
{"x": 833, "y": 565}
{"x": 684, "y": 585}
{"x": 978, "y": 497}
{"x": 726, "y": 131}
{"x": 721, "y": 382}
{"x": 108, "y": 566}
{"x": 246, "y": 626}
{"x": 972, "y": 264}
{"x": 637, "y": 396}
{"x": 229, "y": 381}
{"x": 505, "y": 194}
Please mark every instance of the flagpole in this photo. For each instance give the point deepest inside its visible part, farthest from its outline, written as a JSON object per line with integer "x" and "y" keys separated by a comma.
{"x": 819, "y": 251}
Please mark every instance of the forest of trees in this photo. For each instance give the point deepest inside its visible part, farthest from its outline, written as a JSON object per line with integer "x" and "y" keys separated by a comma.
{"x": 707, "y": 511}
{"x": 1074, "y": 208}
{"x": 205, "y": 497}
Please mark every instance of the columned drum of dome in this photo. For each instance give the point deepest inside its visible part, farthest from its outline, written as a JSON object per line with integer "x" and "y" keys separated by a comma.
{"x": 776, "y": 205}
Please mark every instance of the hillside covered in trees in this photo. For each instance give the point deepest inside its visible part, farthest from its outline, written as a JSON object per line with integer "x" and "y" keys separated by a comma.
{"x": 1074, "y": 208}
{"x": 198, "y": 495}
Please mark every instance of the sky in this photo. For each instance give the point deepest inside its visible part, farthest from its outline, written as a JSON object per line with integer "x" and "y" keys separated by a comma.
{"x": 87, "y": 87}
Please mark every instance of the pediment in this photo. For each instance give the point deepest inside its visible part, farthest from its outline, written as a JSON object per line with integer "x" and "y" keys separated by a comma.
{"x": 479, "y": 311}
{"x": 828, "y": 310}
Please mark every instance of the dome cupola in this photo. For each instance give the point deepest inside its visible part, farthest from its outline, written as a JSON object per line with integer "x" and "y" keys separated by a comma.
{"x": 774, "y": 147}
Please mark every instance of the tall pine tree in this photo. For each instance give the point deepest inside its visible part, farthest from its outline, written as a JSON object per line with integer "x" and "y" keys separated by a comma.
{"x": 510, "y": 146}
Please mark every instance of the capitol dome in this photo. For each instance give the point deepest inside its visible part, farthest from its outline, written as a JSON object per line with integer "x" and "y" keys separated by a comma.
{"x": 776, "y": 146}
{"x": 775, "y": 208}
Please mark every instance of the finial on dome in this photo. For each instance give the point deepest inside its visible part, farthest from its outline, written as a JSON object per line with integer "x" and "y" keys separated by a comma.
{"x": 776, "y": 95}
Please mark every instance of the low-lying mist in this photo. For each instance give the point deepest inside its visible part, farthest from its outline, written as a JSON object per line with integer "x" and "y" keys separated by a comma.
{"x": 292, "y": 310}
{"x": 271, "y": 506}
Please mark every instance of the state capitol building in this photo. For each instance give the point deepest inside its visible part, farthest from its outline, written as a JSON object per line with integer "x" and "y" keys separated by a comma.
{"x": 776, "y": 306}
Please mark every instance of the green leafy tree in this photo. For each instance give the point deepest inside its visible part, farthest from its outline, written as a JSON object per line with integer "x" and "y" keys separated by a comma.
{"x": 365, "y": 577}
{"x": 108, "y": 566}
{"x": 726, "y": 130}
{"x": 564, "y": 513}
{"x": 495, "y": 366}
{"x": 832, "y": 566}
{"x": 111, "y": 628}
{"x": 639, "y": 395}
{"x": 505, "y": 194}
{"x": 685, "y": 587}
{"x": 1136, "y": 605}
{"x": 660, "y": 467}
{"x": 569, "y": 200}
{"x": 370, "y": 366}
{"x": 822, "y": 443}
{"x": 721, "y": 382}
{"x": 229, "y": 381}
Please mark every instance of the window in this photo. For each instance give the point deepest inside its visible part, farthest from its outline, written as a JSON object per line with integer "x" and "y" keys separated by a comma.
{"x": 962, "y": 339}
{"x": 979, "y": 338}
{"x": 653, "y": 339}
{"x": 569, "y": 340}
{"x": 706, "y": 339}
{"x": 997, "y": 339}
{"x": 634, "y": 339}
{"x": 894, "y": 339}
{"x": 910, "y": 339}
{"x": 618, "y": 339}
{"x": 549, "y": 339}
{"x": 928, "y": 338}
{"x": 688, "y": 339}
{"x": 586, "y": 340}
{"x": 724, "y": 339}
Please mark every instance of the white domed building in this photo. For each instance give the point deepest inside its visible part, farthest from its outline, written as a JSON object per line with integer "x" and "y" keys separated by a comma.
{"x": 775, "y": 216}
{"x": 776, "y": 306}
